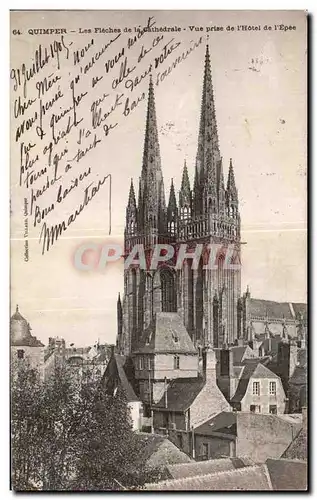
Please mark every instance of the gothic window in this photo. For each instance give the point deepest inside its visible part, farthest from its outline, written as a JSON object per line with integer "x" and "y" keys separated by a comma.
{"x": 220, "y": 271}
{"x": 171, "y": 227}
{"x": 134, "y": 299}
{"x": 20, "y": 353}
{"x": 168, "y": 291}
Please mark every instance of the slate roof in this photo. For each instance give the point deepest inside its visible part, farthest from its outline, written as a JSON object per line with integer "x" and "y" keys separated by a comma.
{"x": 225, "y": 422}
{"x": 193, "y": 469}
{"x": 269, "y": 308}
{"x": 239, "y": 353}
{"x": 181, "y": 393}
{"x": 30, "y": 341}
{"x": 274, "y": 475}
{"x": 247, "y": 478}
{"x": 288, "y": 475}
{"x": 297, "y": 450}
{"x": 300, "y": 308}
{"x": 115, "y": 375}
{"x": 299, "y": 376}
{"x": 26, "y": 339}
{"x": 252, "y": 368}
{"x": 167, "y": 334}
{"x": 159, "y": 451}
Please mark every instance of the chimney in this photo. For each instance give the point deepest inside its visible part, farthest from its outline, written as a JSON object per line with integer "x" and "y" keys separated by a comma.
{"x": 287, "y": 359}
{"x": 209, "y": 365}
{"x": 226, "y": 363}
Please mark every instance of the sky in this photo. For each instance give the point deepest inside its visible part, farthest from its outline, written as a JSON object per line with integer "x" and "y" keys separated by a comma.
{"x": 259, "y": 79}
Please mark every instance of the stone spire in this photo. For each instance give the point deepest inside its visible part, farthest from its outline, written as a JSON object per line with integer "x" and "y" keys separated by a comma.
{"x": 172, "y": 205}
{"x": 131, "y": 213}
{"x": 151, "y": 183}
{"x": 208, "y": 155}
{"x": 131, "y": 201}
{"x": 185, "y": 194}
{"x": 172, "y": 211}
{"x": 231, "y": 184}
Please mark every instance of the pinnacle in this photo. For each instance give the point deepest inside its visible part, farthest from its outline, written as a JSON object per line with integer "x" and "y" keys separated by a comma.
{"x": 132, "y": 201}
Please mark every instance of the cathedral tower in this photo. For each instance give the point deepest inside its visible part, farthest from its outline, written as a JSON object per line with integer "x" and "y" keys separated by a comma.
{"x": 205, "y": 299}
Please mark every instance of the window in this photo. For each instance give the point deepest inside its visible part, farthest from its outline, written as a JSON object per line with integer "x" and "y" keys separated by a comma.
{"x": 176, "y": 362}
{"x": 256, "y": 388}
{"x": 255, "y": 409}
{"x": 273, "y": 409}
{"x": 141, "y": 363}
{"x": 168, "y": 291}
{"x": 20, "y": 354}
{"x": 272, "y": 388}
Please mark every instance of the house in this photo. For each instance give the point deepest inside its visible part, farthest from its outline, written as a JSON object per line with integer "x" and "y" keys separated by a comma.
{"x": 290, "y": 364}
{"x": 243, "y": 434}
{"x": 25, "y": 347}
{"x": 186, "y": 402}
{"x": 274, "y": 475}
{"x": 246, "y": 383}
{"x": 164, "y": 353}
{"x": 116, "y": 375}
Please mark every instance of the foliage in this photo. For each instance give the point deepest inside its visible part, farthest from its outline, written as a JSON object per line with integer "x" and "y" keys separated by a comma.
{"x": 68, "y": 434}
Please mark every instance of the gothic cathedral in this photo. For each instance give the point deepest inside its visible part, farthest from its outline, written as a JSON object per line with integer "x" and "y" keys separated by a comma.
{"x": 205, "y": 299}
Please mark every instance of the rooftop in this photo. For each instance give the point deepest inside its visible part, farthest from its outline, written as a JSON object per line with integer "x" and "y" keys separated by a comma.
{"x": 166, "y": 334}
{"x": 193, "y": 469}
{"x": 181, "y": 393}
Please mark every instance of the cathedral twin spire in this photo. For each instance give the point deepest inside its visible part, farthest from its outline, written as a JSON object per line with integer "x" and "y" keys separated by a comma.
{"x": 209, "y": 192}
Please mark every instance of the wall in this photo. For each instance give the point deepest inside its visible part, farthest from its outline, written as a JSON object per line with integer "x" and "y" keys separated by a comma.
{"x": 135, "y": 411}
{"x": 264, "y": 399}
{"x": 210, "y": 400}
{"x": 165, "y": 419}
{"x": 217, "y": 447}
{"x": 263, "y": 436}
{"x": 164, "y": 366}
{"x": 33, "y": 355}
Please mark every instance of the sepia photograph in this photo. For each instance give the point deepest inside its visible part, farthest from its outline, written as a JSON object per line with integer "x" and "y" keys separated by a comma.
{"x": 158, "y": 250}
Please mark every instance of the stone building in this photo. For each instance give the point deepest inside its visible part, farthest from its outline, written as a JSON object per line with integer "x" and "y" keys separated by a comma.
{"x": 207, "y": 213}
{"x": 25, "y": 347}
{"x": 264, "y": 323}
{"x": 169, "y": 315}
{"x": 247, "y": 383}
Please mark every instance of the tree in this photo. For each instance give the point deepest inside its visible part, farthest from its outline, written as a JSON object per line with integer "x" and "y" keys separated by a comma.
{"x": 68, "y": 434}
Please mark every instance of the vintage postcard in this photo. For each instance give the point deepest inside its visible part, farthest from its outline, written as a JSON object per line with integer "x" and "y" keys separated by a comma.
{"x": 158, "y": 250}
